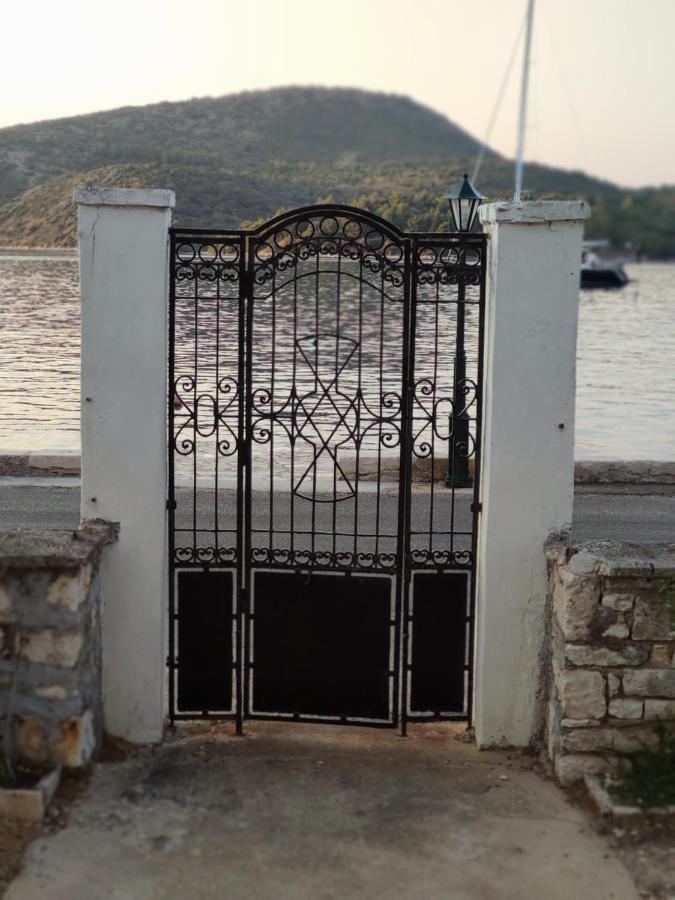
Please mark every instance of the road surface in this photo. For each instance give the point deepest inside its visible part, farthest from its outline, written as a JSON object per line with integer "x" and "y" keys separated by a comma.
{"x": 601, "y": 512}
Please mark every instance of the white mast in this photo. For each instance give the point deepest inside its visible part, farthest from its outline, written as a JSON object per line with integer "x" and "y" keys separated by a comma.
{"x": 523, "y": 103}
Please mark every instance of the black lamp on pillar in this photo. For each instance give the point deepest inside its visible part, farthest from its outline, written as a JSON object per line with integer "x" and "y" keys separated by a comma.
{"x": 463, "y": 201}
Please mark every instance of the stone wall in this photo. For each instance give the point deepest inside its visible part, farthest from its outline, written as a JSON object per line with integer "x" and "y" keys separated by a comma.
{"x": 385, "y": 467}
{"x": 50, "y": 644}
{"x": 638, "y": 471}
{"x": 25, "y": 463}
{"x": 612, "y": 643}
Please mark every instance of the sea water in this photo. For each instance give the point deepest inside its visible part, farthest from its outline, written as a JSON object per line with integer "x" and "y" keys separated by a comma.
{"x": 625, "y": 360}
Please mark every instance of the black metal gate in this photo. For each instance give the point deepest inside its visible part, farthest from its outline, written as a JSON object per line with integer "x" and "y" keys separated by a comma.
{"x": 324, "y": 417}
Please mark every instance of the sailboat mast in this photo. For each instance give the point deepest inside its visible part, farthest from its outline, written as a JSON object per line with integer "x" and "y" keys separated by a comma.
{"x": 523, "y": 103}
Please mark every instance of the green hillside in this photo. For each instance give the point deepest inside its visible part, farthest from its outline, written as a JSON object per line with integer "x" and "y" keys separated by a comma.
{"x": 242, "y": 157}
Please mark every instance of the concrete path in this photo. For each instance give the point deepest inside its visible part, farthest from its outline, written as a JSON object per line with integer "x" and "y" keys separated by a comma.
{"x": 305, "y": 812}
{"x": 601, "y": 512}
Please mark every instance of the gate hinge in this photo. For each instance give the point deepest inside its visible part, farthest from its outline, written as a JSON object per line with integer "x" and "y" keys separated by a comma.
{"x": 476, "y": 507}
{"x": 171, "y": 504}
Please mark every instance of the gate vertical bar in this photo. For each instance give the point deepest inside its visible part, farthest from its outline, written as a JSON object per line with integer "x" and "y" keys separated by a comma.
{"x": 246, "y": 348}
{"x": 171, "y": 504}
{"x": 405, "y": 474}
{"x": 476, "y": 505}
{"x": 242, "y": 468}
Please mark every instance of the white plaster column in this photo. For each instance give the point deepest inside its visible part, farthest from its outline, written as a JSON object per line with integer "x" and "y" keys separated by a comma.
{"x": 528, "y": 451}
{"x": 123, "y": 239}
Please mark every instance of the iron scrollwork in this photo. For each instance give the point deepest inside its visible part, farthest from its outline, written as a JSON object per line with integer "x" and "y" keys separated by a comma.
{"x": 315, "y": 394}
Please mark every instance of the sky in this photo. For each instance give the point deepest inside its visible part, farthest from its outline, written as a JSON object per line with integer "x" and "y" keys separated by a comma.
{"x": 602, "y": 77}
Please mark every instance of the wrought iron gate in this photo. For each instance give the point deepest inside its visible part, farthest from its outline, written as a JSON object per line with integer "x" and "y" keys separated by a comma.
{"x": 324, "y": 412}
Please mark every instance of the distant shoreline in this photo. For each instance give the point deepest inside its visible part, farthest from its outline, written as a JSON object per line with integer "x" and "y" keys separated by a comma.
{"x": 27, "y": 251}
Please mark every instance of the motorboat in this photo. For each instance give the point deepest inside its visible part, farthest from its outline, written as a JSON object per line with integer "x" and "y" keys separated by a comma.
{"x": 599, "y": 273}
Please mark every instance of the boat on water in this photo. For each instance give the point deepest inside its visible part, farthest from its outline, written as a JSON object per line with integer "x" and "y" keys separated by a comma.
{"x": 598, "y": 273}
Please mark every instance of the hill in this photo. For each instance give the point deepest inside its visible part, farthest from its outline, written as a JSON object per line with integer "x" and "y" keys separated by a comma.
{"x": 294, "y": 124}
{"x": 242, "y": 157}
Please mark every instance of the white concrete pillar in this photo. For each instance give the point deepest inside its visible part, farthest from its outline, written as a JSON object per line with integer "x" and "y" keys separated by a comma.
{"x": 528, "y": 451}
{"x": 123, "y": 238}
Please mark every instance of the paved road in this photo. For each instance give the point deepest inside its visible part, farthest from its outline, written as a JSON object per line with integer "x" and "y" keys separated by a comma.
{"x": 601, "y": 512}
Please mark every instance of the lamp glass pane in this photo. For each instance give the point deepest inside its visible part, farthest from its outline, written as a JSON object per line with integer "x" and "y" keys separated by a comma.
{"x": 471, "y": 214}
{"x": 456, "y": 212}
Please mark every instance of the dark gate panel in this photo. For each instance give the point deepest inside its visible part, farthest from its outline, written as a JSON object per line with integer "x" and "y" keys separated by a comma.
{"x": 438, "y": 658}
{"x": 205, "y": 616}
{"x": 323, "y": 646}
{"x": 324, "y": 418}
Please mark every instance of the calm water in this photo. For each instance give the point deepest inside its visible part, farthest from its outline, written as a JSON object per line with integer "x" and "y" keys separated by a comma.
{"x": 625, "y": 372}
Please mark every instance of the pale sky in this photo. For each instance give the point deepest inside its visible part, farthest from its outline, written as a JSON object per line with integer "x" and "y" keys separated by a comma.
{"x": 603, "y": 74}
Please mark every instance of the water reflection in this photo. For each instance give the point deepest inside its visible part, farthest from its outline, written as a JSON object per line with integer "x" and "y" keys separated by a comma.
{"x": 625, "y": 371}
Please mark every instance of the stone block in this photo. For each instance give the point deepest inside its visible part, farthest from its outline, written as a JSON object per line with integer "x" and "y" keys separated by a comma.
{"x": 576, "y": 601}
{"x": 586, "y": 472}
{"x": 618, "y": 602}
{"x": 77, "y": 741}
{"x": 630, "y": 586}
{"x": 28, "y": 703}
{"x": 618, "y": 630}
{"x": 552, "y": 728}
{"x": 7, "y": 613}
{"x": 650, "y": 683}
{"x": 662, "y": 655}
{"x": 625, "y": 561}
{"x": 634, "y": 471}
{"x": 48, "y": 647}
{"x": 584, "y": 562}
{"x": 654, "y": 617}
{"x": 627, "y": 655}
{"x": 70, "y": 742}
{"x": 582, "y": 694}
{"x": 31, "y": 739}
{"x": 52, "y": 692}
{"x": 29, "y": 804}
{"x": 663, "y": 472}
{"x": 13, "y": 463}
{"x": 69, "y": 590}
{"x": 614, "y": 684}
{"x": 660, "y": 709}
{"x": 571, "y": 768}
{"x": 625, "y": 708}
{"x": 53, "y": 464}
{"x": 7, "y": 641}
{"x": 624, "y": 738}
{"x": 580, "y": 723}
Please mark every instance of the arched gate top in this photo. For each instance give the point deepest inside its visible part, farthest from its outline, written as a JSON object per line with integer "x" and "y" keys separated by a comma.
{"x": 326, "y": 214}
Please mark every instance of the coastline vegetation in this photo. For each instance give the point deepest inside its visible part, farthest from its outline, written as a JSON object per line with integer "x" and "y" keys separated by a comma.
{"x": 237, "y": 159}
